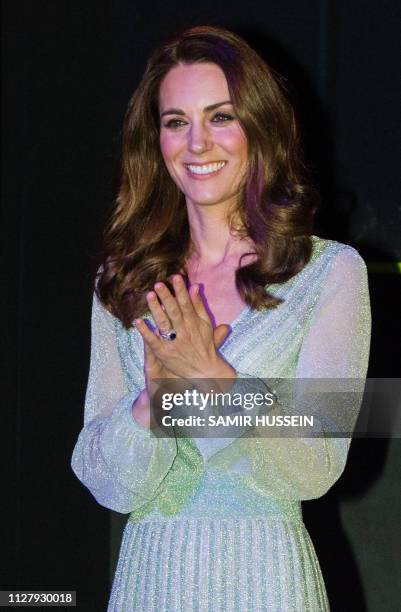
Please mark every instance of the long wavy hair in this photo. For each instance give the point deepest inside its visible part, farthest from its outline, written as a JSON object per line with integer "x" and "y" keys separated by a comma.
{"x": 147, "y": 237}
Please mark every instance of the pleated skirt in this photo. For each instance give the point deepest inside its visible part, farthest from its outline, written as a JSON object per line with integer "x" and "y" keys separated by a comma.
{"x": 217, "y": 565}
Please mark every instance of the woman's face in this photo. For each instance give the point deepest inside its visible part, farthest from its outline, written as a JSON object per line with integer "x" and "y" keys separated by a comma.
{"x": 202, "y": 142}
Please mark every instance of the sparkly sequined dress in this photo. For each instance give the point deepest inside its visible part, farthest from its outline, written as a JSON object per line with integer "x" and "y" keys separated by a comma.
{"x": 220, "y": 528}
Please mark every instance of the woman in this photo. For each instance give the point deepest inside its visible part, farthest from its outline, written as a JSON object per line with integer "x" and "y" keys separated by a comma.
{"x": 211, "y": 242}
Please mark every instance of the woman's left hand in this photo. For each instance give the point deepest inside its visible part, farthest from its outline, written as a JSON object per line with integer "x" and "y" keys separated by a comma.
{"x": 192, "y": 354}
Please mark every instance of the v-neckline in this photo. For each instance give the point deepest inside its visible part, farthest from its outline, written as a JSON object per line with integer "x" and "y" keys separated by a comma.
{"x": 239, "y": 316}
{"x": 233, "y": 323}
{"x": 247, "y": 308}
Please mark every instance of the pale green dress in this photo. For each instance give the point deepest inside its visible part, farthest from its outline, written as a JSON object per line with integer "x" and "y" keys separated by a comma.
{"x": 219, "y": 528}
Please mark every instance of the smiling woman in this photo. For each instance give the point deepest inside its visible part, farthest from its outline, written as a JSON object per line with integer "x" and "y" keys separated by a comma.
{"x": 210, "y": 274}
{"x": 203, "y": 143}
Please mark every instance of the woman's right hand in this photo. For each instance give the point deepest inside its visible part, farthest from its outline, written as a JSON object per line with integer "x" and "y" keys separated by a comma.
{"x": 155, "y": 371}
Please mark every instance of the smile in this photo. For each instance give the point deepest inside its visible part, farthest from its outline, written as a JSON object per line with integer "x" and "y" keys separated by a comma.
{"x": 203, "y": 170}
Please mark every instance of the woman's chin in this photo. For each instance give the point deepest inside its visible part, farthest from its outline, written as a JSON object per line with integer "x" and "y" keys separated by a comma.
{"x": 209, "y": 201}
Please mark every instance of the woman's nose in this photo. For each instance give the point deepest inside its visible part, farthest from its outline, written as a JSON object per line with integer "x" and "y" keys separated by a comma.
{"x": 199, "y": 139}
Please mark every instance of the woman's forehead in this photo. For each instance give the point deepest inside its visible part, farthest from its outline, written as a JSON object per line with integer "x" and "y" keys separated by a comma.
{"x": 200, "y": 82}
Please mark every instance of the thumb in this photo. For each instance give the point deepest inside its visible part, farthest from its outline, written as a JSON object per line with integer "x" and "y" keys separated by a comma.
{"x": 220, "y": 333}
{"x": 150, "y": 357}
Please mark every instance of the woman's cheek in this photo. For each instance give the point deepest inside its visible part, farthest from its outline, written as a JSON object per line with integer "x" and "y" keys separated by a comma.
{"x": 170, "y": 145}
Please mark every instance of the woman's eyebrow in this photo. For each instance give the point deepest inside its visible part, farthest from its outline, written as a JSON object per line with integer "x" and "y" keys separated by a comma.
{"x": 178, "y": 111}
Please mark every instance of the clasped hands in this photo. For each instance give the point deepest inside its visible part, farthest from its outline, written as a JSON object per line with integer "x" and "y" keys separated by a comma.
{"x": 193, "y": 353}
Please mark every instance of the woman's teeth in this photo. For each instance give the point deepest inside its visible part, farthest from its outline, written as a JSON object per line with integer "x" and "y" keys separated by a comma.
{"x": 206, "y": 169}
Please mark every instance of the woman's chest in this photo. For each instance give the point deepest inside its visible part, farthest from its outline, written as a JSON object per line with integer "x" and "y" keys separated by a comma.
{"x": 263, "y": 344}
{"x": 223, "y": 308}
{"x": 220, "y": 296}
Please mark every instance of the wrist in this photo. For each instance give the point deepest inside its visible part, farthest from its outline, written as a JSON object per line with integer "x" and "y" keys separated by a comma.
{"x": 221, "y": 375}
{"x": 140, "y": 409}
{"x": 221, "y": 369}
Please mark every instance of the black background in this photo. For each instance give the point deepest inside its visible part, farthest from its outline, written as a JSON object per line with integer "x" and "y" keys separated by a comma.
{"x": 69, "y": 69}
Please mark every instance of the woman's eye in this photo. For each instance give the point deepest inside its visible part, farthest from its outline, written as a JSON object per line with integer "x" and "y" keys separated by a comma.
{"x": 217, "y": 118}
{"x": 173, "y": 123}
{"x": 223, "y": 117}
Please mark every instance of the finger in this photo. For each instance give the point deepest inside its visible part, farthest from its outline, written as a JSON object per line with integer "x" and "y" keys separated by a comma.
{"x": 160, "y": 317}
{"x": 151, "y": 365}
{"x": 183, "y": 298}
{"x": 150, "y": 357}
{"x": 220, "y": 334}
{"x": 171, "y": 305}
{"x": 198, "y": 303}
{"x": 148, "y": 336}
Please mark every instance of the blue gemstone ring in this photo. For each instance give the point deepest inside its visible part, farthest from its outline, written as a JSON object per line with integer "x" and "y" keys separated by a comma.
{"x": 170, "y": 335}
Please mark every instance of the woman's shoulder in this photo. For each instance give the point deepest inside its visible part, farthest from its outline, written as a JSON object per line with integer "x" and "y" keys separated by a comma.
{"x": 335, "y": 264}
{"x": 328, "y": 258}
{"x": 333, "y": 252}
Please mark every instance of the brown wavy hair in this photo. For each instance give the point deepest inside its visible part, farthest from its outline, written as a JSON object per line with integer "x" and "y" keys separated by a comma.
{"x": 147, "y": 238}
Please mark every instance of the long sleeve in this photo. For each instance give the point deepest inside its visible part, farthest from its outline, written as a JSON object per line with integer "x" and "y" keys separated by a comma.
{"x": 118, "y": 460}
{"x": 221, "y": 436}
{"x": 335, "y": 348}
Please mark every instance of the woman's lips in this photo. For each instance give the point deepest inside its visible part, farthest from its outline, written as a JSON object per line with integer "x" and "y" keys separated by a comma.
{"x": 203, "y": 175}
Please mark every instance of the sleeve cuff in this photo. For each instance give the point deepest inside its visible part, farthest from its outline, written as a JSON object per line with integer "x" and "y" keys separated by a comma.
{"x": 132, "y": 451}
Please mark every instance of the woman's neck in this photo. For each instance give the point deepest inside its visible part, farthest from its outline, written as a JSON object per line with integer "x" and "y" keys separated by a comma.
{"x": 212, "y": 242}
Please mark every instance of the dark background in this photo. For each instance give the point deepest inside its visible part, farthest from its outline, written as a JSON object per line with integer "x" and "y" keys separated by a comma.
{"x": 69, "y": 69}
